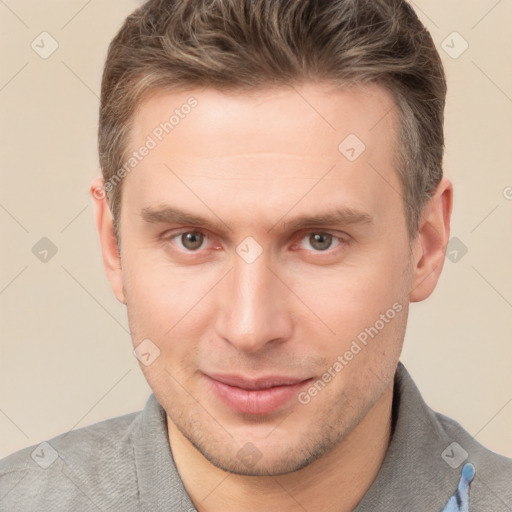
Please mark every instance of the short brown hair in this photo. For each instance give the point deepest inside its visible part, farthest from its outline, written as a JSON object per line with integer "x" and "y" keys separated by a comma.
{"x": 251, "y": 44}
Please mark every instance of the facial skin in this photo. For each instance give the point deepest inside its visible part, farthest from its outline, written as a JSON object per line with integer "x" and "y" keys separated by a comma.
{"x": 250, "y": 164}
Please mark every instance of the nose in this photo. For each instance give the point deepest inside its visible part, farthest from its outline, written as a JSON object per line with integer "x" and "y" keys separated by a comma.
{"x": 253, "y": 307}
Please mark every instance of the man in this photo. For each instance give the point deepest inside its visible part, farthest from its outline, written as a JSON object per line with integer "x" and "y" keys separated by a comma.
{"x": 272, "y": 200}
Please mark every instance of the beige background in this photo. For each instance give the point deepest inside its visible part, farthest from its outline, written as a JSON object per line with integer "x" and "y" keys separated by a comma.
{"x": 65, "y": 353}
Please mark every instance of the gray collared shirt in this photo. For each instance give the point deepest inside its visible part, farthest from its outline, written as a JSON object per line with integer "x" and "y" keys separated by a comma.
{"x": 125, "y": 464}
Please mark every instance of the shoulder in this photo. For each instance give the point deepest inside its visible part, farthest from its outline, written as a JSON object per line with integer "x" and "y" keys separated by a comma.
{"x": 493, "y": 478}
{"x": 70, "y": 470}
{"x": 433, "y": 457}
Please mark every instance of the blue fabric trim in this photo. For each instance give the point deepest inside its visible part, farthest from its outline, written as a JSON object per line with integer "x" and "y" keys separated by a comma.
{"x": 459, "y": 502}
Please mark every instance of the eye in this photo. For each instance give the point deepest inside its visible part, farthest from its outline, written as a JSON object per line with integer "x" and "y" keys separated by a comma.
{"x": 190, "y": 240}
{"x": 319, "y": 241}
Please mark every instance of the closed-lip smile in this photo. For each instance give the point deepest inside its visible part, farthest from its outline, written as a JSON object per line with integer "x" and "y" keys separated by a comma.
{"x": 261, "y": 395}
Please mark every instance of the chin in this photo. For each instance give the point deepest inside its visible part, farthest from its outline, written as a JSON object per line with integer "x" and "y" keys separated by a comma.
{"x": 263, "y": 458}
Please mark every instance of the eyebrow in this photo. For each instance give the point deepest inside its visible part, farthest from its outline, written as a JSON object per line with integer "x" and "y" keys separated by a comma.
{"x": 171, "y": 215}
{"x": 339, "y": 217}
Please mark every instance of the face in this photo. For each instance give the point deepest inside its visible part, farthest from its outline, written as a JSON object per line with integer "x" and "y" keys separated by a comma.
{"x": 265, "y": 257}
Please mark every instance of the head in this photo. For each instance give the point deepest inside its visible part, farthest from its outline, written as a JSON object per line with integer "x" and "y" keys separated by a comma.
{"x": 275, "y": 200}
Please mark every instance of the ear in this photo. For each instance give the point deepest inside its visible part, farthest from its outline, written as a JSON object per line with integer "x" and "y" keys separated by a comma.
{"x": 109, "y": 247}
{"x": 429, "y": 247}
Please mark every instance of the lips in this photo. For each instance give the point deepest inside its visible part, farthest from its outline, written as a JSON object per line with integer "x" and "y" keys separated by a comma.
{"x": 255, "y": 396}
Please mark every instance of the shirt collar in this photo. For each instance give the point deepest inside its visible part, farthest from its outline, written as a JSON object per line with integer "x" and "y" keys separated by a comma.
{"x": 159, "y": 483}
{"x": 413, "y": 466}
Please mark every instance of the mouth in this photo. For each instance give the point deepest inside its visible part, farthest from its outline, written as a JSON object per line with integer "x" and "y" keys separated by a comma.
{"x": 255, "y": 396}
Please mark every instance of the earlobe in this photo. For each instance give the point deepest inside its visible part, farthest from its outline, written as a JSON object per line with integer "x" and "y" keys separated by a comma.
{"x": 109, "y": 246}
{"x": 429, "y": 247}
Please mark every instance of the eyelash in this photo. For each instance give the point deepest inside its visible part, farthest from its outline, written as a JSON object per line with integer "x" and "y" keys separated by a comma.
{"x": 168, "y": 237}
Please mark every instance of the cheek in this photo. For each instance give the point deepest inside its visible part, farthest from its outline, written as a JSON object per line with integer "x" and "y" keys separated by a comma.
{"x": 349, "y": 298}
{"x": 166, "y": 303}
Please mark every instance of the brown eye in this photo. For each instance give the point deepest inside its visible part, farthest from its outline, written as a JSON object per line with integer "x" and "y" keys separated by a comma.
{"x": 320, "y": 241}
{"x": 192, "y": 240}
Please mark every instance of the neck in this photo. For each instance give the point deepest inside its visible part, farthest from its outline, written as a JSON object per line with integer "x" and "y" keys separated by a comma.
{"x": 335, "y": 482}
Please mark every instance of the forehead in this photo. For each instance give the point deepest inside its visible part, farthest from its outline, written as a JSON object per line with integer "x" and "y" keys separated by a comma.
{"x": 315, "y": 115}
{"x": 260, "y": 147}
